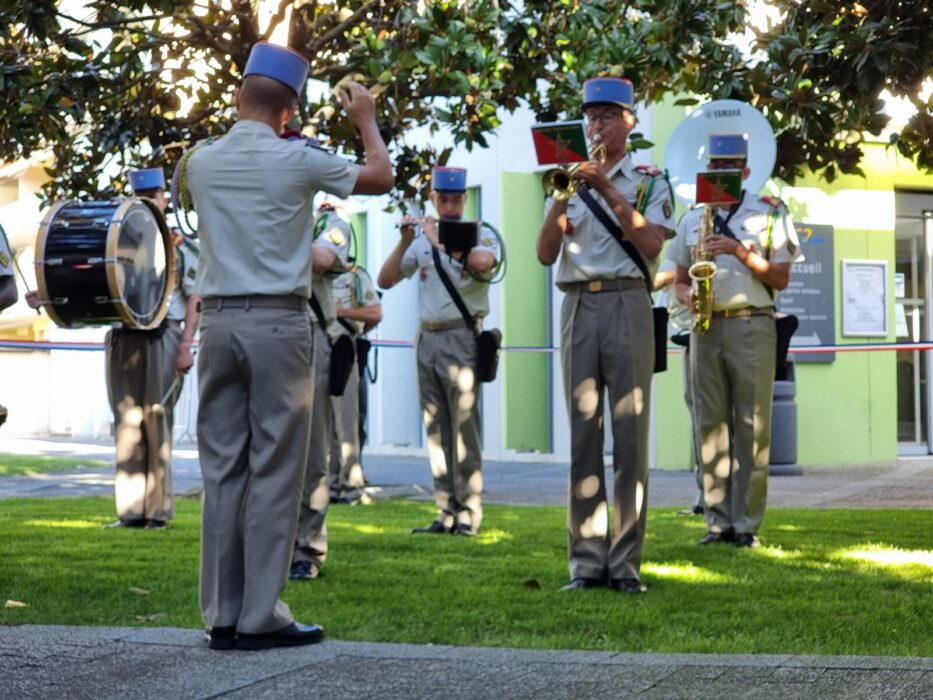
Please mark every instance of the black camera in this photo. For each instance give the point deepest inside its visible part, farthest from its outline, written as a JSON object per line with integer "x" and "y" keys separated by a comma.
{"x": 458, "y": 236}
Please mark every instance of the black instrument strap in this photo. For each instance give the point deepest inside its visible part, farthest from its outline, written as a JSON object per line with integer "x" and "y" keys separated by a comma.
{"x": 454, "y": 294}
{"x": 349, "y": 326}
{"x": 721, "y": 226}
{"x": 616, "y": 232}
{"x": 319, "y": 313}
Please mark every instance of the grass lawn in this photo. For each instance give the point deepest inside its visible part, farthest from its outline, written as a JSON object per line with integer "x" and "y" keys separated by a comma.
{"x": 20, "y": 465}
{"x": 828, "y": 582}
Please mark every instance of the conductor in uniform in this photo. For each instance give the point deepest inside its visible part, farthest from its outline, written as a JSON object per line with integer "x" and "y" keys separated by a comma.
{"x": 253, "y": 194}
{"x": 606, "y": 337}
{"x": 446, "y": 353}
{"x": 753, "y": 245}
{"x": 145, "y": 370}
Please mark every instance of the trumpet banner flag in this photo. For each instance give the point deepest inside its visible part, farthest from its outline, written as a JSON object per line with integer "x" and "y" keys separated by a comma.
{"x": 560, "y": 142}
{"x": 719, "y": 187}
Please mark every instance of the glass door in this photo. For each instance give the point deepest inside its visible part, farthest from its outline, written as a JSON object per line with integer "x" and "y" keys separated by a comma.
{"x": 914, "y": 256}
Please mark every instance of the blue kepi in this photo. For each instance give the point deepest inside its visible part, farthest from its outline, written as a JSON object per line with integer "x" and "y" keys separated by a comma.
{"x": 449, "y": 179}
{"x": 608, "y": 91}
{"x": 147, "y": 179}
{"x": 728, "y": 146}
{"x": 279, "y": 62}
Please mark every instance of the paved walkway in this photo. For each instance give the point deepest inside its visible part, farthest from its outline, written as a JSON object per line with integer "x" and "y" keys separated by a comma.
{"x": 906, "y": 483}
{"x": 84, "y": 662}
{"x": 100, "y": 663}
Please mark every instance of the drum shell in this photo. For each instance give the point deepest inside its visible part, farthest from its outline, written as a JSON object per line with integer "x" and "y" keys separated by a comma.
{"x": 89, "y": 273}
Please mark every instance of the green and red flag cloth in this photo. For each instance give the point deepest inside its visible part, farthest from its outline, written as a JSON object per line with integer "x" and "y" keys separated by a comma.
{"x": 560, "y": 142}
{"x": 719, "y": 187}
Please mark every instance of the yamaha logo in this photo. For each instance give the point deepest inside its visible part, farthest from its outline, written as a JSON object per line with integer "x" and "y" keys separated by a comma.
{"x": 723, "y": 113}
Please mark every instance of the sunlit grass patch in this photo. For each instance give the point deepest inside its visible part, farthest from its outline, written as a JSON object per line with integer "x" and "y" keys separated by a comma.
{"x": 890, "y": 557}
{"x": 825, "y": 582}
{"x": 28, "y": 465}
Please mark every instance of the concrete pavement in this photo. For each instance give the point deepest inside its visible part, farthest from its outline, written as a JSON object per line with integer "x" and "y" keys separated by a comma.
{"x": 904, "y": 483}
{"x": 101, "y": 663}
{"x": 86, "y": 662}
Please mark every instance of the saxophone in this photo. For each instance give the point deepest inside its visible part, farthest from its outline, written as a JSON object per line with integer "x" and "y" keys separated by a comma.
{"x": 701, "y": 272}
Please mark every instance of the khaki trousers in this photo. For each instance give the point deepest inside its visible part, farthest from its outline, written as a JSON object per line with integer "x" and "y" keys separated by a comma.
{"x": 140, "y": 369}
{"x": 256, "y": 387}
{"x": 733, "y": 387}
{"x": 311, "y": 539}
{"x": 450, "y": 398}
{"x": 346, "y": 469}
{"x": 607, "y": 343}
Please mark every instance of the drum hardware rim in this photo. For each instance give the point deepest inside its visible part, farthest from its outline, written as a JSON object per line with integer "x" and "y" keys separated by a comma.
{"x": 39, "y": 262}
{"x": 170, "y": 280}
{"x": 119, "y": 216}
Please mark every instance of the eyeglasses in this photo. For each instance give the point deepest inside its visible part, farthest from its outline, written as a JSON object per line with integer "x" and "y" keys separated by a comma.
{"x": 604, "y": 117}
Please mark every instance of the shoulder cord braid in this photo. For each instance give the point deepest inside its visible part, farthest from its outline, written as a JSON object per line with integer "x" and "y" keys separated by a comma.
{"x": 497, "y": 273}
{"x": 181, "y": 198}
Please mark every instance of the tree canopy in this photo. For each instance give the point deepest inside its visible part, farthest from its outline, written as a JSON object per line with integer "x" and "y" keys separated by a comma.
{"x": 124, "y": 83}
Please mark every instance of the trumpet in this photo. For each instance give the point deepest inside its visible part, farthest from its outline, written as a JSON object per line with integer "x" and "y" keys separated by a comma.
{"x": 702, "y": 272}
{"x": 558, "y": 182}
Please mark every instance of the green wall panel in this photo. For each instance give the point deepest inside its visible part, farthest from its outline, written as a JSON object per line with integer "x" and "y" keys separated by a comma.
{"x": 526, "y": 412}
{"x": 358, "y": 222}
{"x": 673, "y": 448}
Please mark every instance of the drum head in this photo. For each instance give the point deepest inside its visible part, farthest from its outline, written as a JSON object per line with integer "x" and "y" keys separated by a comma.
{"x": 142, "y": 263}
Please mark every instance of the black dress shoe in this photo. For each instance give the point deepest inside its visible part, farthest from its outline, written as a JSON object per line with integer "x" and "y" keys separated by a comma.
{"x": 697, "y": 509}
{"x": 628, "y": 585}
{"x": 304, "y": 571}
{"x": 718, "y": 537}
{"x": 221, "y": 637}
{"x": 463, "y": 530}
{"x": 154, "y": 524}
{"x": 747, "y": 539}
{"x": 294, "y": 635}
{"x": 582, "y": 582}
{"x": 435, "y": 528}
{"x": 135, "y": 522}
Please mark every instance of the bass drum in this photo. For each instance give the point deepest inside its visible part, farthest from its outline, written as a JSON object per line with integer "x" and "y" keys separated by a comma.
{"x": 105, "y": 263}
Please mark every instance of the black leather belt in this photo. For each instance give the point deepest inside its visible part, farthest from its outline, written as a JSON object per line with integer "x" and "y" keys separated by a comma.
{"x": 746, "y": 312}
{"x": 595, "y": 286}
{"x": 255, "y": 301}
{"x": 443, "y": 325}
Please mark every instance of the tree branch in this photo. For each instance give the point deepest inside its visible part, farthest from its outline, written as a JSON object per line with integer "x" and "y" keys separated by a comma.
{"x": 340, "y": 28}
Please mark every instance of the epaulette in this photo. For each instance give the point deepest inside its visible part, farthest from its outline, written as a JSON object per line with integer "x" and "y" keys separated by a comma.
{"x": 295, "y": 135}
{"x": 773, "y": 202}
{"x": 649, "y": 170}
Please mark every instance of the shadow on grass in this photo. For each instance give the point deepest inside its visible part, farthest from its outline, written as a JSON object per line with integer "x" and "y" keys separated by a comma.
{"x": 826, "y": 582}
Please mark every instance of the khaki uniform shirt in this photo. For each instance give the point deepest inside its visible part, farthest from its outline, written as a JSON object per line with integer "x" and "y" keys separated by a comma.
{"x": 436, "y": 305}
{"x": 734, "y": 285}
{"x": 590, "y": 252}
{"x": 352, "y": 290}
{"x": 332, "y": 232}
{"x": 252, "y": 191}
{"x": 186, "y": 275}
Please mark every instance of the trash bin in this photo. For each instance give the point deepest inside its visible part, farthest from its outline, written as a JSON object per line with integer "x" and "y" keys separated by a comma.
{"x": 784, "y": 423}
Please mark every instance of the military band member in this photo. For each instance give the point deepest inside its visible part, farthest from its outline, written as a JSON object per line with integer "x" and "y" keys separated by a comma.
{"x": 145, "y": 372}
{"x": 754, "y": 245}
{"x": 359, "y": 310}
{"x": 606, "y": 339}
{"x": 253, "y": 194}
{"x": 8, "y": 293}
{"x": 330, "y": 253}
{"x": 446, "y": 353}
